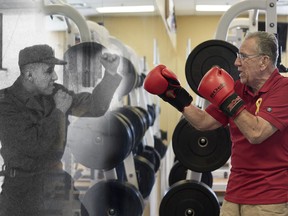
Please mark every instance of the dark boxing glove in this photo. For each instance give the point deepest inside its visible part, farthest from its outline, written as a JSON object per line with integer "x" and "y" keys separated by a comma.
{"x": 217, "y": 86}
{"x": 164, "y": 83}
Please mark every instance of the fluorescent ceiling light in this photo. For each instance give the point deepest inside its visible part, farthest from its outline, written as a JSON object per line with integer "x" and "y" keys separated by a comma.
{"x": 126, "y": 9}
{"x": 212, "y": 7}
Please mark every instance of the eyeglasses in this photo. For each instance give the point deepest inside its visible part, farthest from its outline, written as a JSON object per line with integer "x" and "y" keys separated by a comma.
{"x": 243, "y": 56}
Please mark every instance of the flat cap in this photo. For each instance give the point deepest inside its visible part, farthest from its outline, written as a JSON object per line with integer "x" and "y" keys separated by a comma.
{"x": 38, "y": 54}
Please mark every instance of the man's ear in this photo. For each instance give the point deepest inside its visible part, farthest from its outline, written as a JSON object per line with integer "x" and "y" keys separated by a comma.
{"x": 28, "y": 75}
{"x": 264, "y": 62}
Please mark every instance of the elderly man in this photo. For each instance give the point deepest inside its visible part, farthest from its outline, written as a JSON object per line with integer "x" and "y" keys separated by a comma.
{"x": 33, "y": 124}
{"x": 255, "y": 107}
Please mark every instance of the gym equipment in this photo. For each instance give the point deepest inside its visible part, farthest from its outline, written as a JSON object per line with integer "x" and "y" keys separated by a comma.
{"x": 151, "y": 154}
{"x": 70, "y": 12}
{"x": 99, "y": 33}
{"x": 160, "y": 146}
{"x": 84, "y": 69}
{"x": 141, "y": 119}
{"x": 145, "y": 175}
{"x": 152, "y": 113}
{"x": 201, "y": 151}
{"x": 149, "y": 118}
{"x": 103, "y": 142}
{"x": 112, "y": 197}
{"x": 189, "y": 197}
{"x": 206, "y": 55}
{"x": 268, "y": 5}
{"x": 178, "y": 172}
{"x": 137, "y": 118}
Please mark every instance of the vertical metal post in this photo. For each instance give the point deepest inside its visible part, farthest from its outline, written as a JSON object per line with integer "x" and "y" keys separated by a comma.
{"x": 192, "y": 175}
{"x": 271, "y": 17}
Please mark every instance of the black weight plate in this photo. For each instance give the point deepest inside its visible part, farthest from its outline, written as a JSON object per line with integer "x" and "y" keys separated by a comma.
{"x": 112, "y": 198}
{"x": 138, "y": 148}
{"x": 131, "y": 127}
{"x": 206, "y": 55}
{"x": 153, "y": 156}
{"x": 100, "y": 143}
{"x": 189, "y": 197}
{"x": 136, "y": 119}
{"x": 147, "y": 116}
{"x": 178, "y": 172}
{"x": 152, "y": 112}
{"x": 145, "y": 175}
{"x": 201, "y": 151}
{"x": 160, "y": 146}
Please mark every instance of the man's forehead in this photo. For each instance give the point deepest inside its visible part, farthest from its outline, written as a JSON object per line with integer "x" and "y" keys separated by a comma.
{"x": 44, "y": 67}
{"x": 48, "y": 66}
{"x": 41, "y": 64}
{"x": 248, "y": 45}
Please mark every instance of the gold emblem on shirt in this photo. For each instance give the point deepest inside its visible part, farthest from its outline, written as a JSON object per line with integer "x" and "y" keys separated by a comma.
{"x": 258, "y": 104}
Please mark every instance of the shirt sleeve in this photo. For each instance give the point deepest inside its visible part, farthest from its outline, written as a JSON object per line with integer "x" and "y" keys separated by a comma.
{"x": 97, "y": 103}
{"x": 274, "y": 107}
{"x": 217, "y": 114}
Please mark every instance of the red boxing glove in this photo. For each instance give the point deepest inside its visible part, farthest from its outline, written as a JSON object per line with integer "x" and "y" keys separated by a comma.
{"x": 164, "y": 83}
{"x": 217, "y": 86}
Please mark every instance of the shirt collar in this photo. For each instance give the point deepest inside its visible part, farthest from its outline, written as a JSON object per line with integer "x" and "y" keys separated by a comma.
{"x": 18, "y": 91}
{"x": 268, "y": 84}
{"x": 21, "y": 94}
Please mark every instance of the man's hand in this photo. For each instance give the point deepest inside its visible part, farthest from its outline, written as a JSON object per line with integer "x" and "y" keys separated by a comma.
{"x": 110, "y": 62}
{"x": 62, "y": 100}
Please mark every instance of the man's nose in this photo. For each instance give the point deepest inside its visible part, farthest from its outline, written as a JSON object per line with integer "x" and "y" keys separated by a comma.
{"x": 54, "y": 76}
{"x": 237, "y": 62}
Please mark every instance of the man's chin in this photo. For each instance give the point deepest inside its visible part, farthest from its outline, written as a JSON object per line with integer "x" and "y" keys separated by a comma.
{"x": 243, "y": 80}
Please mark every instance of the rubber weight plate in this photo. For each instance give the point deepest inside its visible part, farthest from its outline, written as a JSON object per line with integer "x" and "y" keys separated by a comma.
{"x": 160, "y": 146}
{"x": 145, "y": 175}
{"x": 201, "y": 151}
{"x": 179, "y": 172}
{"x": 136, "y": 119}
{"x": 100, "y": 143}
{"x": 112, "y": 198}
{"x": 206, "y": 55}
{"x": 189, "y": 197}
{"x": 151, "y": 154}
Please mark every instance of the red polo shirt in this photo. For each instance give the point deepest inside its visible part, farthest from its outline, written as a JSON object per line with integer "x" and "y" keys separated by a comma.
{"x": 259, "y": 172}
